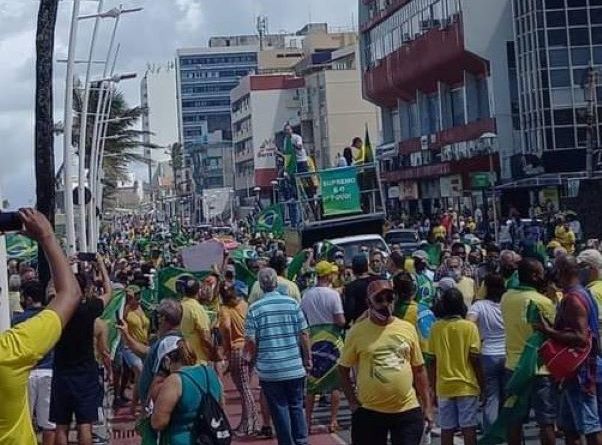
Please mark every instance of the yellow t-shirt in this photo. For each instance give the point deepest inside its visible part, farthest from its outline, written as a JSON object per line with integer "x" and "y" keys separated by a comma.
{"x": 514, "y": 306}
{"x": 138, "y": 325}
{"x": 384, "y": 356}
{"x": 595, "y": 287}
{"x": 20, "y": 349}
{"x": 285, "y": 287}
{"x": 566, "y": 238}
{"x": 451, "y": 342}
{"x": 466, "y": 286}
{"x": 194, "y": 321}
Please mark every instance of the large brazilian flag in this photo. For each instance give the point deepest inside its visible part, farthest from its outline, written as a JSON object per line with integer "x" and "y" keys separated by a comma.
{"x": 109, "y": 315}
{"x": 326, "y": 346}
{"x": 168, "y": 277}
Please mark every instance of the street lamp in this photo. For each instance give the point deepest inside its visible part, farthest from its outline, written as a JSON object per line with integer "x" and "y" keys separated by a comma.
{"x": 489, "y": 141}
{"x": 274, "y": 184}
{"x": 257, "y": 191}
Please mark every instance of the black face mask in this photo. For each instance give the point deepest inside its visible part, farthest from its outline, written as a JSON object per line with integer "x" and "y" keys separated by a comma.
{"x": 492, "y": 264}
{"x": 507, "y": 271}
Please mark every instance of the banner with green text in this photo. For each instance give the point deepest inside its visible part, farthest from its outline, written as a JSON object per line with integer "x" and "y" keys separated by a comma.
{"x": 340, "y": 191}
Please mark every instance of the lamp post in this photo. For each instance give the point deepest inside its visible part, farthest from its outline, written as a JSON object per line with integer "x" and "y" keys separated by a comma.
{"x": 274, "y": 184}
{"x": 489, "y": 140}
{"x": 232, "y": 193}
{"x": 257, "y": 191}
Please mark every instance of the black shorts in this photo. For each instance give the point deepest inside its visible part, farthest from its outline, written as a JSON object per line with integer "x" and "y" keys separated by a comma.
{"x": 75, "y": 393}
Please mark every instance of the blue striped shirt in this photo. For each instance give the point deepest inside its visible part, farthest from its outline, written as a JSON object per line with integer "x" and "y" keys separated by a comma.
{"x": 274, "y": 323}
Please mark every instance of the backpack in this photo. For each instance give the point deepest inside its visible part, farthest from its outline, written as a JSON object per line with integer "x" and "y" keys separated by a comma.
{"x": 211, "y": 425}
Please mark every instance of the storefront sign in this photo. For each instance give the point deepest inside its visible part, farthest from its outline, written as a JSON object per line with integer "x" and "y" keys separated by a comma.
{"x": 393, "y": 192}
{"x": 340, "y": 191}
{"x": 480, "y": 180}
{"x": 409, "y": 190}
{"x": 451, "y": 186}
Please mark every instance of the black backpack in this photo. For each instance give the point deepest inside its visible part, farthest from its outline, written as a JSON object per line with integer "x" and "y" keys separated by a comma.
{"x": 211, "y": 425}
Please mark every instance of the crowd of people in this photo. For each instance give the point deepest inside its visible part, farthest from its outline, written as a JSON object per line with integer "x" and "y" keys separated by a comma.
{"x": 464, "y": 335}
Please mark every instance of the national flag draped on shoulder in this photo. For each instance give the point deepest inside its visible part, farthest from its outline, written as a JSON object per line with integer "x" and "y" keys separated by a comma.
{"x": 326, "y": 346}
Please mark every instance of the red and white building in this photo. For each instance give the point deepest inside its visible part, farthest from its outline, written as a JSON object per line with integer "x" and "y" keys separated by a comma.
{"x": 440, "y": 71}
{"x": 261, "y": 106}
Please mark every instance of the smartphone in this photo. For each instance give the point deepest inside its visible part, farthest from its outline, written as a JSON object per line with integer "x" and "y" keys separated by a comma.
{"x": 88, "y": 257}
{"x": 10, "y": 222}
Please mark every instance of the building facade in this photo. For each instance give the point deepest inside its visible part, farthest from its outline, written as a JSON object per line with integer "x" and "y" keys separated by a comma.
{"x": 440, "y": 72}
{"x": 205, "y": 78}
{"x": 261, "y": 106}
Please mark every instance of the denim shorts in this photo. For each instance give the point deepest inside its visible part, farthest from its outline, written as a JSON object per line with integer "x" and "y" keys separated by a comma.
{"x": 131, "y": 359}
{"x": 543, "y": 400}
{"x": 578, "y": 411}
{"x": 458, "y": 412}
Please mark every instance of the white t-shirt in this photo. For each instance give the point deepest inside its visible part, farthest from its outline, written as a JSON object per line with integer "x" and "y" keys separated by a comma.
{"x": 300, "y": 153}
{"x": 320, "y": 305}
{"x": 491, "y": 326}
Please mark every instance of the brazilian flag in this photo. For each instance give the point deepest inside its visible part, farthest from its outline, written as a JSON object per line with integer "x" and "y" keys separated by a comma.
{"x": 294, "y": 268}
{"x": 109, "y": 315}
{"x": 367, "y": 152}
{"x": 270, "y": 220}
{"x": 168, "y": 277}
{"x": 290, "y": 157}
{"x": 326, "y": 347}
{"x": 20, "y": 247}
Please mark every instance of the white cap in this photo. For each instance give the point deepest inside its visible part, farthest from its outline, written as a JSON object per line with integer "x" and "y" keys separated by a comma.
{"x": 591, "y": 257}
{"x": 167, "y": 345}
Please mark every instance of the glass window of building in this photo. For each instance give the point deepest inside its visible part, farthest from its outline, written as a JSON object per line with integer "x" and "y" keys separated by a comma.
{"x": 555, "y": 19}
{"x": 457, "y": 107}
{"x": 597, "y": 54}
{"x": 580, "y": 76}
{"x": 565, "y": 137}
{"x": 576, "y": 3}
{"x": 559, "y": 57}
{"x": 557, "y": 37}
{"x": 560, "y": 78}
{"x": 596, "y": 34}
{"x": 579, "y": 36}
{"x": 580, "y": 56}
{"x": 562, "y": 97}
{"x": 577, "y": 17}
{"x": 563, "y": 116}
{"x": 581, "y": 137}
{"x": 554, "y": 4}
{"x": 595, "y": 15}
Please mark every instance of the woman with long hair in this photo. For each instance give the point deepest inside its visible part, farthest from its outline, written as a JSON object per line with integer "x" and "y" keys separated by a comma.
{"x": 232, "y": 329}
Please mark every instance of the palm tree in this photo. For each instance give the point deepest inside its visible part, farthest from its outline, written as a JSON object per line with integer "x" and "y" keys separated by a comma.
{"x": 44, "y": 124}
{"x": 123, "y": 143}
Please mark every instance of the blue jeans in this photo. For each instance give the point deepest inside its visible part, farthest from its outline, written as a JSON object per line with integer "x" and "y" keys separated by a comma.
{"x": 495, "y": 380}
{"x": 578, "y": 411}
{"x": 285, "y": 400}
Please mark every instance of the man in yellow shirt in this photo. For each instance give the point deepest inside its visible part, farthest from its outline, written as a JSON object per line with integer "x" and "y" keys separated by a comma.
{"x": 455, "y": 369}
{"x": 195, "y": 326}
{"x": 390, "y": 365}
{"x": 25, "y": 344}
{"x": 514, "y": 305}
{"x": 565, "y": 236}
{"x": 285, "y": 286}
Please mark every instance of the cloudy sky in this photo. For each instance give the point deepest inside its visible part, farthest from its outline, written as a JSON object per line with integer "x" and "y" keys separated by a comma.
{"x": 150, "y": 36}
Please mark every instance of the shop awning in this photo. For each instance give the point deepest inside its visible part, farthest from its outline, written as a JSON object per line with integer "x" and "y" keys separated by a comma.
{"x": 546, "y": 180}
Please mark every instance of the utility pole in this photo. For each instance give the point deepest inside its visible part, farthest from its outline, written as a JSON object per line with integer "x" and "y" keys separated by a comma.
{"x": 590, "y": 91}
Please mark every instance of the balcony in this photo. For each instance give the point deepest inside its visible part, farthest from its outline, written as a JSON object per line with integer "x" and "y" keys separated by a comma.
{"x": 437, "y": 55}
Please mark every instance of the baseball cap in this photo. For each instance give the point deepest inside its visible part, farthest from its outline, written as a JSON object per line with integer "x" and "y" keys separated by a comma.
{"x": 590, "y": 257}
{"x": 446, "y": 283}
{"x": 421, "y": 255}
{"x": 324, "y": 268}
{"x": 167, "y": 345}
{"x": 378, "y": 287}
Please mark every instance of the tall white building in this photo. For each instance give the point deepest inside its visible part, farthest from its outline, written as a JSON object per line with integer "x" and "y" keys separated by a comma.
{"x": 159, "y": 97}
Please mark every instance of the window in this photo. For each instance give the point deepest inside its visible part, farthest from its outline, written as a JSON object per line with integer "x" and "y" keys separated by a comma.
{"x": 565, "y": 137}
{"x": 559, "y": 57}
{"x": 563, "y": 116}
{"x": 433, "y": 113}
{"x": 555, "y": 19}
{"x": 576, "y": 3}
{"x": 579, "y": 36}
{"x": 580, "y": 56}
{"x": 595, "y": 16}
{"x": 597, "y": 54}
{"x": 457, "y": 107}
{"x": 578, "y": 17}
{"x": 580, "y": 76}
{"x": 560, "y": 78}
{"x": 562, "y": 97}
{"x": 554, "y": 4}
{"x": 557, "y": 37}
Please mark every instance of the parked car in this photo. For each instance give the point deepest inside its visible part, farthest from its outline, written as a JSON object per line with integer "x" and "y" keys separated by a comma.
{"x": 407, "y": 239}
{"x": 352, "y": 245}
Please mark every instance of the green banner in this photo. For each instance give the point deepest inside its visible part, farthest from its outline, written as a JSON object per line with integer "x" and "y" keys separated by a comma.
{"x": 340, "y": 191}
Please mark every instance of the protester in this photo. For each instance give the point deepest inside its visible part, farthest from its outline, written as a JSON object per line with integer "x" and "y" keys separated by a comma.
{"x": 425, "y": 290}
{"x": 514, "y": 305}
{"x": 322, "y": 305}
{"x": 285, "y": 286}
{"x": 455, "y": 368}
{"x": 278, "y": 343}
{"x": 195, "y": 326}
{"x": 391, "y": 377}
{"x": 24, "y": 345}
{"x": 487, "y": 314}
{"x": 76, "y": 389}
{"x": 354, "y": 293}
{"x": 233, "y": 313}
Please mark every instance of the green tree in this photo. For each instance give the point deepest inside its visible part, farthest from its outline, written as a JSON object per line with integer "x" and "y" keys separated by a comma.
{"x": 124, "y": 143}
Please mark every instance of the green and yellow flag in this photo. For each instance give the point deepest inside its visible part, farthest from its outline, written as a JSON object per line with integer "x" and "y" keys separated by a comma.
{"x": 326, "y": 346}
{"x": 20, "y": 247}
{"x": 109, "y": 315}
{"x": 290, "y": 158}
{"x": 240, "y": 257}
{"x": 270, "y": 220}
{"x": 167, "y": 278}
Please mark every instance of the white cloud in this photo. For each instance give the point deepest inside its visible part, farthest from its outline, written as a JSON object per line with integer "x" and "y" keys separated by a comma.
{"x": 152, "y": 35}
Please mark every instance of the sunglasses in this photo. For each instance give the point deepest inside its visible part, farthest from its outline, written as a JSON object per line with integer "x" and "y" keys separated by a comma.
{"x": 384, "y": 297}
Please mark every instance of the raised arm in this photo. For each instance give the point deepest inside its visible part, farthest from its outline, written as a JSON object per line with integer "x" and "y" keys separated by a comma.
{"x": 68, "y": 293}
{"x": 107, "y": 289}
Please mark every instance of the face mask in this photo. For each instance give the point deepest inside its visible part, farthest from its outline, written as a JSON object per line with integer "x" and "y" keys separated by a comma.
{"x": 419, "y": 266}
{"x": 493, "y": 264}
{"x": 584, "y": 276}
{"x": 455, "y": 274}
{"x": 382, "y": 314}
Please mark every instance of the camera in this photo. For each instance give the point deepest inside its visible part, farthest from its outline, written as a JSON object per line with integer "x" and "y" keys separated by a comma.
{"x": 10, "y": 222}
{"x": 87, "y": 257}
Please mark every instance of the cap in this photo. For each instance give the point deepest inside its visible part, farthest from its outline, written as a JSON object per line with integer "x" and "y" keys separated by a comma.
{"x": 590, "y": 257}
{"x": 421, "y": 255}
{"x": 446, "y": 283}
{"x": 167, "y": 345}
{"x": 378, "y": 287}
{"x": 324, "y": 268}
